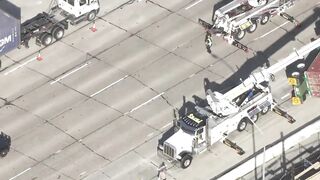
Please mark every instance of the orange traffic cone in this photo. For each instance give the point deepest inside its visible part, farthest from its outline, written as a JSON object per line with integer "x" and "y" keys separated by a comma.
{"x": 94, "y": 28}
{"x": 39, "y": 57}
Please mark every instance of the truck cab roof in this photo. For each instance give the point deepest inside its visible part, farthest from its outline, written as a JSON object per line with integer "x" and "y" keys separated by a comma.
{"x": 195, "y": 119}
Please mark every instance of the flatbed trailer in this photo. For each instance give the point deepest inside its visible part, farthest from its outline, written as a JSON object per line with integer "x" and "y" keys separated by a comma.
{"x": 45, "y": 26}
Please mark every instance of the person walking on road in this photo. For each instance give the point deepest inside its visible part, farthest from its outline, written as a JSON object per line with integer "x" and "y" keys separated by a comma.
{"x": 162, "y": 171}
{"x": 208, "y": 42}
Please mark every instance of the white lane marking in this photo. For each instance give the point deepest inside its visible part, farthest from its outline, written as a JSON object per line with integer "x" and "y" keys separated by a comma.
{"x": 83, "y": 173}
{"x": 271, "y": 31}
{"x": 165, "y": 126}
{"x": 134, "y": 109}
{"x": 20, "y": 66}
{"x": 112, "y": 84}
{"x": 69, "y": 73}
{"x": 149, "y": 135}
{"x": 195, "y": 3}
{"x": 20, "y": 174}
{"x": 192, "y": 75}
{"x": 285, "y": 96}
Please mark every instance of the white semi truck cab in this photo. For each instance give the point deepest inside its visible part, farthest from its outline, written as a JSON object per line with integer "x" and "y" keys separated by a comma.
{"x": 78, "y": 8}
{"x": 190, "y": 139}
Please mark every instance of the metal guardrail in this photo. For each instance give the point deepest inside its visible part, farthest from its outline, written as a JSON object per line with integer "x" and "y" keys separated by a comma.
{"x": 272, "y": 150}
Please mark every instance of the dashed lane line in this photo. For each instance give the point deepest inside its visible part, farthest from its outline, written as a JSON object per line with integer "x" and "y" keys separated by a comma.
{"x": 271, "y": 31}
{"x": 20, "y": 66}
{"x": 195, "y": 3}
{"x": 145, "y": 103}
{"x": 69, "y": 73}
{"x": 112, "y": 84}
{"x": 14, "y": 177}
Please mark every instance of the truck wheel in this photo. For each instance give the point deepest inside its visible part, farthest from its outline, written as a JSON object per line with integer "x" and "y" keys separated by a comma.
{"x": 253, "y": 27}
{"x": 186, "y": 161}
{"x": 91, "y": 15}
{"x": 57, "y": 32}
{"x": 264, "y": 19}
{"x": 4, "y": 152}
{"x": 265, "y": 110}
{"x": 301, "y": 66}
{"x": 46, "y": 39}
{"x": 255, "y": 118}
{"x": 243, "y": 124}
{"x": 239, "y": 34}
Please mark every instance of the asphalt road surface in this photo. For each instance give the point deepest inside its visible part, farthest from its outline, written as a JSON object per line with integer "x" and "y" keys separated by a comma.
{"x": 96, "y": 105}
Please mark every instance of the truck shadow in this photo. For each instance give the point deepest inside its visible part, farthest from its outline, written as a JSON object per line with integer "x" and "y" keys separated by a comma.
{"x": 260, "y": 59}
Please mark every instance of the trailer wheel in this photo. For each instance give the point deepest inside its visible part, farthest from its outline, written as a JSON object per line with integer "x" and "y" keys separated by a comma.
{"x": 265, "y": 19}
{"x": 4, "y": 152}
{"x": 265, "y": 110}
{"x": 186, "y": 161}
{"x": 57, "y": 32}
{"x": 243, "y": 124}
{"x": 239, "y": 34}
{"x": 253, "y": 27}
{"x": 91, "y": 15}
{"x": 46, "y": 39}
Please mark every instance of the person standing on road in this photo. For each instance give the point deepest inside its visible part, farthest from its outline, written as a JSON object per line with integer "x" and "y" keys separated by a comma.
{"x": 162, "y": 171}
{"x": 208, "y": 42}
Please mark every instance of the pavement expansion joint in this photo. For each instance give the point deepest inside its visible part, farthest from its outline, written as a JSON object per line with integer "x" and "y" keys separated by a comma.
{"x": 159, "y": 5}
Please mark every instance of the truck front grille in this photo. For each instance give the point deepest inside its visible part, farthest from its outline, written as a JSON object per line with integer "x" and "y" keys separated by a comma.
{"x": 168, "y": 150}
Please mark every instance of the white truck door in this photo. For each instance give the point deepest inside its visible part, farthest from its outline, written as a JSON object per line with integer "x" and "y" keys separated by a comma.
{"x": 201, "y": 135}
{"x": 70, "y": 6}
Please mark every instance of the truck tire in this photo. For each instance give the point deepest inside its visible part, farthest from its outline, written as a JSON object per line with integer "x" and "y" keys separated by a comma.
{"x": 265, "y": 19}
{"x": 253, "y": 27}
{"x": 46, "y": 39}
{"x": 239, "y": 34}
{"x": 91, "y": 15}
{"x": 186, "y": 161}
{"x": 265, "y": 110}
{"x": 255, "y": 118}
{"x": 4, "y": 152}
{"x": 243, "y": 124}
{"x": 301, "y": 66}
{"x": 58, "y": 32}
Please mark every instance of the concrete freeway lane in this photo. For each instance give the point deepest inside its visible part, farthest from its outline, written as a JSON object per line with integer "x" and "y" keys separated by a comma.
{"x": 97, "y": 104}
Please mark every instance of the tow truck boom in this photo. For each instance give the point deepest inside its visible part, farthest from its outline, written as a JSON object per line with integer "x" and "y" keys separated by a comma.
{"x": 222, "y": 104}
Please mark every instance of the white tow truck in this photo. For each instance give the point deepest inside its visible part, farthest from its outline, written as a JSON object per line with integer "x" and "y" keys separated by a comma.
{"x": 228, "y": 112}
{"x": 233, "y": 20}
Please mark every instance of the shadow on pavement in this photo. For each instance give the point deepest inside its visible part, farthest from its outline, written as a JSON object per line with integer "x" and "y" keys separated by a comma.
{"x": 259, "y": 60}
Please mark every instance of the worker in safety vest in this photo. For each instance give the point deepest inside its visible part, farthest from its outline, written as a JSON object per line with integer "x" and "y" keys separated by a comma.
{"x": 208, "y": 42}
